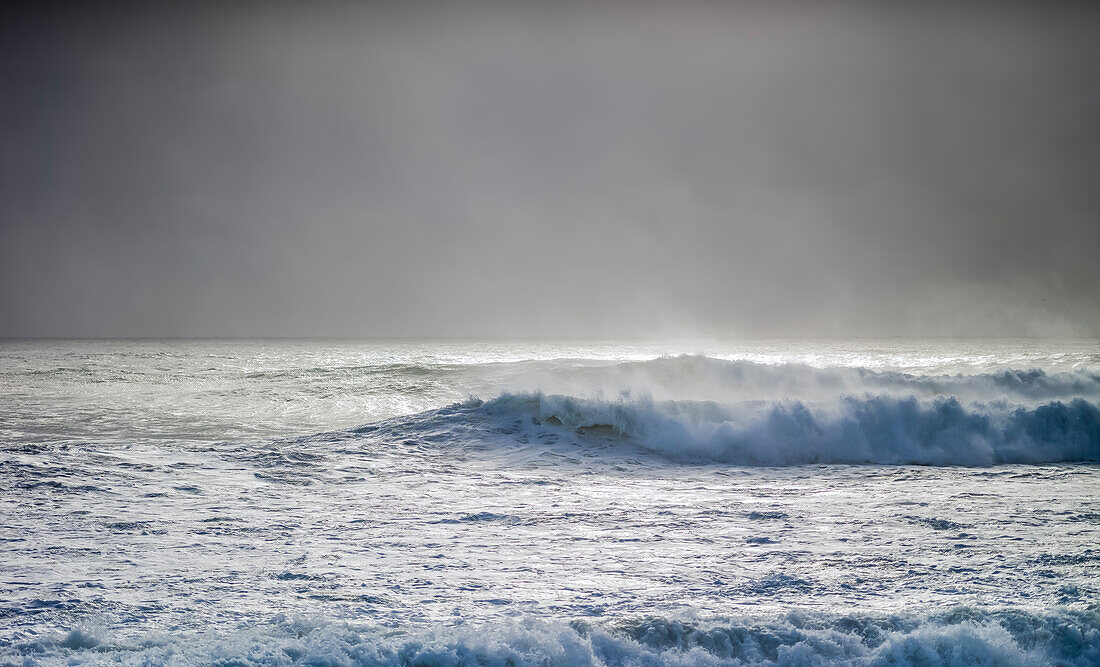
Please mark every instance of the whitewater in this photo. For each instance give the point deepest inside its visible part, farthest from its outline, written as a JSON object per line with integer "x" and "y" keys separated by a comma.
{"x": 440, "y": 502}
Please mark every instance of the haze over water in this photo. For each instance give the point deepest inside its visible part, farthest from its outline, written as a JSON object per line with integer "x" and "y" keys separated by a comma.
{"x": 549, "y": 333}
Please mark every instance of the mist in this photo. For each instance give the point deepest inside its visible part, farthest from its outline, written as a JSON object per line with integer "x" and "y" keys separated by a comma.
{"x": 550, "y": 169}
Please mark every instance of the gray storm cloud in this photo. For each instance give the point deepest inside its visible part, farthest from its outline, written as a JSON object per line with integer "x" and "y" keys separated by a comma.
{"x": 551, "y": 169}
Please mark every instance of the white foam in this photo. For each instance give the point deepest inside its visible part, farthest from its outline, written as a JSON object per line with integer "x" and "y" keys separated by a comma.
{"x": 705, "y": 378}
{"x": 962, "y": 636}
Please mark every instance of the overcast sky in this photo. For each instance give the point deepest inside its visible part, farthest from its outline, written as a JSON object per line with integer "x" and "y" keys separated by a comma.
{"x": 550, "y": 169}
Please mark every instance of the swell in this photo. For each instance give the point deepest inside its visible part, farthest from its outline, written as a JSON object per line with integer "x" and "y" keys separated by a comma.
{"x": 960, "y": 636}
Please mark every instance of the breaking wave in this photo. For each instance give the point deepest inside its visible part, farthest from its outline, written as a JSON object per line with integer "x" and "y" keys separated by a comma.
{"x": 699, "y": 409}
{"x": 880, "y": 429}
{"x": 961, "y": 636}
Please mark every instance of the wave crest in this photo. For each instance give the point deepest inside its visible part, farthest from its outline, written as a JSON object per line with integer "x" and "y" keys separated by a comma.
{"x": 708, "y": 378}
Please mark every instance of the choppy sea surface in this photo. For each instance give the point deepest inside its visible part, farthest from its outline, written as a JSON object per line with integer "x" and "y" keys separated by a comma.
{"x": 540, "y": 503}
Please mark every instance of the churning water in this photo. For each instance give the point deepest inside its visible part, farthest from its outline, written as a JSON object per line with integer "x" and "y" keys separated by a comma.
{"x": 455, "y": 502}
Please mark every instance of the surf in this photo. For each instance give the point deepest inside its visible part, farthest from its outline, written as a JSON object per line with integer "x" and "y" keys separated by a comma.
{"x": 958, "y": 636}
{"x": 697, "y": 409}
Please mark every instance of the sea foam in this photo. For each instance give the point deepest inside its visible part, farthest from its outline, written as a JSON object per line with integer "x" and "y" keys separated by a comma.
{"x": 960, "y": 636}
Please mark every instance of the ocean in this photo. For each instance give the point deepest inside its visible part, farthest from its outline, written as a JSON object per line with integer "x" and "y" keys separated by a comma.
{"x": 324, "y": 502}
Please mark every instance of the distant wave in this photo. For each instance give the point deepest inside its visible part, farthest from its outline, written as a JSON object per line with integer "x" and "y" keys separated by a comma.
{"x": 962, "y": 636}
